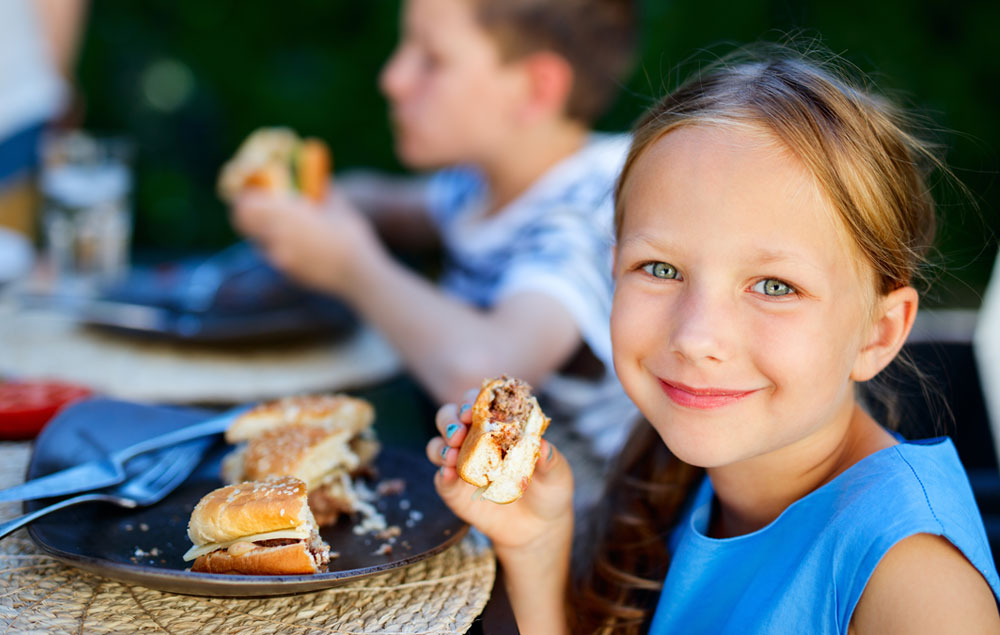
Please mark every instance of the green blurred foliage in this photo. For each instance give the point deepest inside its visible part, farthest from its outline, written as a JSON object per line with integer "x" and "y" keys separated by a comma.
{"x": 189, "y": 79}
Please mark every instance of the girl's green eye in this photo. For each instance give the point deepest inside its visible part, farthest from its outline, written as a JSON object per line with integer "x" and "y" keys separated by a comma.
{"x": 773, "y": 288}
{"x": 660, "y": 270}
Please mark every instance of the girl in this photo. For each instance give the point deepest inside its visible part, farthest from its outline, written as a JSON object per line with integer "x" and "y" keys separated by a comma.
{"x": 770, "y": 221}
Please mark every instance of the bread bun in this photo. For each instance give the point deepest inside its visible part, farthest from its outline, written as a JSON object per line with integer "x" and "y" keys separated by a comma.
{"x": 293, "y": 559}
{"x": 502, "y": 446}
{"x": 255, "y": 528}
{"x": 305, "y": 452}
{"x": 323, "y": 440}
{"x": 259, "y": 507}
{"x": 336, "y": 412}
{"x": 277, "y": 160}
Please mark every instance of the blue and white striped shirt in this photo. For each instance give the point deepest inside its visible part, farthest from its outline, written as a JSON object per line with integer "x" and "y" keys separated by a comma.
{"x": 557, "y": 239}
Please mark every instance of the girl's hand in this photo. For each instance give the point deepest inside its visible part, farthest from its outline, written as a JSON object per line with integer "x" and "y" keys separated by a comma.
{"x": 542, "y": 519}
{"x": 321, "y": 246}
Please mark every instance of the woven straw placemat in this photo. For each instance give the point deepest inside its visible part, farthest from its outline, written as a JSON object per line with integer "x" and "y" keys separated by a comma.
{"x": 442, "y": 594}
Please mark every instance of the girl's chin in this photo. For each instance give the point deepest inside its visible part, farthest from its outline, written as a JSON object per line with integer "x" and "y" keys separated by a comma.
{"x": 701, "y": 450}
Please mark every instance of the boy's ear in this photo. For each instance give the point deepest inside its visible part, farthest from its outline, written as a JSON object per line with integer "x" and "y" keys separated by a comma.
{"x": 550, "y": 80}
{"x": 894, "y": 318}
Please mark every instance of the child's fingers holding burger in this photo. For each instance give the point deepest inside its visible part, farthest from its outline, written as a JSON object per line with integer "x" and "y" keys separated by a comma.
{"x": 452, "y": 423}
{"x": 443, "y": 450}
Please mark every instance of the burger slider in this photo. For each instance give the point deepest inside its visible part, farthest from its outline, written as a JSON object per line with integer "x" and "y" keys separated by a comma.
{"x": 325, "y": 441}
{"x": 503, "y": 443}
{"x": 277, "y": 160}
{"x": 340, "y": 412}
{"x": 256, "y": 528}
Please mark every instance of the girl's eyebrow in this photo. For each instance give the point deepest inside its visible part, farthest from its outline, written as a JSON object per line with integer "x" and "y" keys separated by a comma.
{"x": 643, "y": 238}
{"x": 778, "y": 256}
{"x": 759, "y": 257}
{"x": 769, "y": 256}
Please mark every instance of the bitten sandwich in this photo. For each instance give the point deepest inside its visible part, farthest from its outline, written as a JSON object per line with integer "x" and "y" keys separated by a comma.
{"x": 503, "y": 443}
{"x": 326, "y": 441}
{"x": 256, "y": 528}
{"x": 277, "y": 160}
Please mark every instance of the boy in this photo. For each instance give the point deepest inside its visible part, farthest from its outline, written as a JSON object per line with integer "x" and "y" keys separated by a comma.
{"x": 503, "y": 92}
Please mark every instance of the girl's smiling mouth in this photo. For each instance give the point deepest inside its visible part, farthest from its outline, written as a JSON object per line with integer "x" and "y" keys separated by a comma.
{"x": 702, "y": 398}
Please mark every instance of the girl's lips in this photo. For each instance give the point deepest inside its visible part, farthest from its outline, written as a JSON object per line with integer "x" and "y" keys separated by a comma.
{"x": 702, "y": 398}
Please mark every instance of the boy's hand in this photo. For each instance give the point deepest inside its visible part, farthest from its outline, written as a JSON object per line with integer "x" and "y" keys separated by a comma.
{"x": 321, "y": 246}
{"x": 541, "y": 519}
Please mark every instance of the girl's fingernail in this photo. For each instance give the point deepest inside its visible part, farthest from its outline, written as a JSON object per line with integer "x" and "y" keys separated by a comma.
{"x": 550, "y": 454}
{"x": 441, "y": 471}
{"x": 451, "y": 430}
{"x": 444, "y": 452}
{"x": 465, "y": 408}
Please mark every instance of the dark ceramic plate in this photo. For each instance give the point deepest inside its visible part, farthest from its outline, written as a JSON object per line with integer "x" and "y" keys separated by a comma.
{"x": 231, "y": 297}
{"x": 145, "y": 546}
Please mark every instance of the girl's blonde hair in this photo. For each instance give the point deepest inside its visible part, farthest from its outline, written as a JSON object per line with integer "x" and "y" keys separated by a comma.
{"x": 857, "y": 146}
{"x": 873, "y": 170}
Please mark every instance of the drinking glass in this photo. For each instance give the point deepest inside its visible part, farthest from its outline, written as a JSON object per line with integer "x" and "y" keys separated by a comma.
{"x": 86, "y": 187}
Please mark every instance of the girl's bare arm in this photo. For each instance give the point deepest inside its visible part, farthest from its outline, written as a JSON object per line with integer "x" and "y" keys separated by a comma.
{"x": 925, "y": 585}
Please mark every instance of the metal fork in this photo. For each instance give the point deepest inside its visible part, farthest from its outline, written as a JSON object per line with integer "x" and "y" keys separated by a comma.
{"x": 149, "y": 484}
{"x": 116, "y": 467}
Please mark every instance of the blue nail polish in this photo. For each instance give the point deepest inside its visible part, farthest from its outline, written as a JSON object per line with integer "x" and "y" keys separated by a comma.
{"x": 441, "y": 470}
{"x": 465, "y": 408}
{"x": 444, "y": 452}
{"x": 550, "y": 454}
{"x": 450, "y": 431}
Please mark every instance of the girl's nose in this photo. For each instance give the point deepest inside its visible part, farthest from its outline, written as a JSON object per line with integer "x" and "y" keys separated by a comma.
{"x": 702, "y": 328}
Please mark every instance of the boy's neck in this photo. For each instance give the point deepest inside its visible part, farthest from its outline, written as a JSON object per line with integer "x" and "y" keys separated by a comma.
{"x": 528, "y": 155}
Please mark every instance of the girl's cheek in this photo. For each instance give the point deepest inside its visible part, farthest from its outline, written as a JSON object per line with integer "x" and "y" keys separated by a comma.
{"x": 639, "y": 326}
{"x": 625, "y": 314}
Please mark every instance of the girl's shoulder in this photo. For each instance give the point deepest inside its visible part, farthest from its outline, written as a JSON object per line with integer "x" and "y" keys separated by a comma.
{"x": 924, "y": 584}
{"x": 904, "y": 504}
{"x": 921, "y": 482}
{"x": 909, "y": 488}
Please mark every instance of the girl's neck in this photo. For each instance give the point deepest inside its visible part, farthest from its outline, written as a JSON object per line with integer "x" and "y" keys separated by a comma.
{"x": 752, "y": 494}
{"x": 516, "y": 166}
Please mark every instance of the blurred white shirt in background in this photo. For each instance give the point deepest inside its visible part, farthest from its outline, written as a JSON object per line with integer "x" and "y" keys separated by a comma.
{"x": 32, "y": 88}
{"x": 986, "y": 344}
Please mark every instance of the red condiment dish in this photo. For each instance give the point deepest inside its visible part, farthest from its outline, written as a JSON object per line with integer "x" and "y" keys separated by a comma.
{"x": 26, "y": 406}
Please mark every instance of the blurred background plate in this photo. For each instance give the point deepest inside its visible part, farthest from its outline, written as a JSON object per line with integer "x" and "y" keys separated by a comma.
{"x": 145, "y": 546}
{"x": 230, "y": 297}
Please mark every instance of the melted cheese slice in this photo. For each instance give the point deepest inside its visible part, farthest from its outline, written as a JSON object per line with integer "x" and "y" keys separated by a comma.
{"x": 298, "y": 533}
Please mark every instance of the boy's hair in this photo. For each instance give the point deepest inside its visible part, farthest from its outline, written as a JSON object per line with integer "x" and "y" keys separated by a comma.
{"x": 596, "y": 37}
{"x": 874, "y": 172}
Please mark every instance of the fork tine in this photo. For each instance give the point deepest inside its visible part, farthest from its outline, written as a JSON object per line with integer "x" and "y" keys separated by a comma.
{"x": 139, "y": 486}
{"x": 161, "y": 464}
{"x": 182, "y": 464}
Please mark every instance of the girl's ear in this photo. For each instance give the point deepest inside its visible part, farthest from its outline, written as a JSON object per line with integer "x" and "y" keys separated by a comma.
{"x": 550, "y": 80}
{"x": 894, "y": 319}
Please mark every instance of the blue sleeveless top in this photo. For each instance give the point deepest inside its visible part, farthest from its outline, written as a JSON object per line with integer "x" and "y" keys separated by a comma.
{"x": 805, "y": 572}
